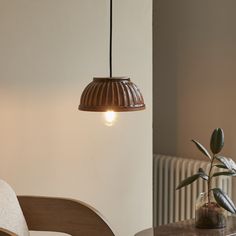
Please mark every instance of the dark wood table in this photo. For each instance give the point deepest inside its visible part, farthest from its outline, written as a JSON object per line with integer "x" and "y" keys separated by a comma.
{"x": 187, "y": 228}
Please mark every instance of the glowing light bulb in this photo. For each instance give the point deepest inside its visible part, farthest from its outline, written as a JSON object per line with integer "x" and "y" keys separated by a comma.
{"x": 110, "y": 117}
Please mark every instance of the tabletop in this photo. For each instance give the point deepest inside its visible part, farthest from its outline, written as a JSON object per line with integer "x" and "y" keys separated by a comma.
{"x": 187, "y": 228}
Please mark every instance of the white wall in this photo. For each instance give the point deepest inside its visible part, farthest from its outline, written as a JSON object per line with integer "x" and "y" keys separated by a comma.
{"x": 194, "y": 74}
{"x": 49, "y": 51}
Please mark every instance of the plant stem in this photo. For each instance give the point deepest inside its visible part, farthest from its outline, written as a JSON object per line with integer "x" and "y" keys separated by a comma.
{"x": 209, "y": 181}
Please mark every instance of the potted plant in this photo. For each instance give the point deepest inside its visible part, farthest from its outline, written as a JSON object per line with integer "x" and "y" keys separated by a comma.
{"x": 211, "y": 205}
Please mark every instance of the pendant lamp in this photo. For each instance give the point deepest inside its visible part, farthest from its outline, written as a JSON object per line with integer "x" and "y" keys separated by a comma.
{"x": 116, "y": 94}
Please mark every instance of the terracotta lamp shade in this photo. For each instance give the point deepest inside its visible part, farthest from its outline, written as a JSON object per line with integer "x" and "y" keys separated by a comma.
{"x": 116, "y": 94}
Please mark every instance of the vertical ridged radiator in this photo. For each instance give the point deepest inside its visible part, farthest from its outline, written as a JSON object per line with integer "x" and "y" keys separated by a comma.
{"x": 171, "y": 205}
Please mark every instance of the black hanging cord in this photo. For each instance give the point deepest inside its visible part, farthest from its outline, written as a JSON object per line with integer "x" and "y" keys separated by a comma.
{"x": 110, "y": 50}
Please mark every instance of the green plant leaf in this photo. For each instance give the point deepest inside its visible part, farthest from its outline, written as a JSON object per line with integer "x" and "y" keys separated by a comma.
{"x": 191, "y": 179}
{"x": 217, "y": 140}
{"x": 202, "y": 174}
{"x": 202, "y": 148}
{"x": 227, "y": 162}
{"x": 220, "y": 166}
{"x": 227, "y": 173}
{"x": 223, "y": 200}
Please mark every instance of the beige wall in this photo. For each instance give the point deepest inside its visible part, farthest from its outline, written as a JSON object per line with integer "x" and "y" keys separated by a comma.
{"x": 194, "y": 74}
{"x": 50, "y": 50}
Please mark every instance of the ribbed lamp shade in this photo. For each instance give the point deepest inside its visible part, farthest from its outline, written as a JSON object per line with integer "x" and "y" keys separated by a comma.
{"x": 116, "y": 94}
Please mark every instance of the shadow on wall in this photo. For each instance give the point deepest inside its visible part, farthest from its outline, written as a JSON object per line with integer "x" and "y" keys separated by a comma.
{"x": 194, "y": 74}
{"x": 164, "y": 80}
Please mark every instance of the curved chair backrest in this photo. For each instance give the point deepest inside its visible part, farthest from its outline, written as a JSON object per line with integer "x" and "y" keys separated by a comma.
{"x": 47, "y": 214}
{"x": 63, "y": 215}
{"x": 4, "y": 232}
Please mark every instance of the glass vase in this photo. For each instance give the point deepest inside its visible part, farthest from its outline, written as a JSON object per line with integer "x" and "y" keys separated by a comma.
{"x": 209, "y": 215}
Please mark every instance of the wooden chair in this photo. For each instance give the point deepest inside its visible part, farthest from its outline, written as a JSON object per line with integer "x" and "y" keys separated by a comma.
{"x": 56, "y": 214}
{"x": 4, "y": 232}
{"x": 63, "y": 215}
